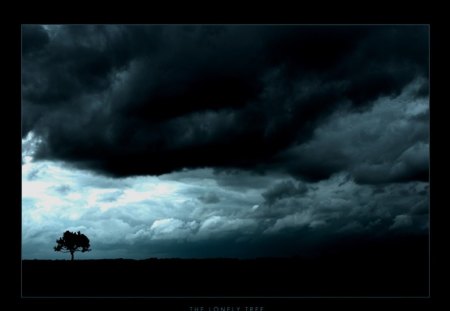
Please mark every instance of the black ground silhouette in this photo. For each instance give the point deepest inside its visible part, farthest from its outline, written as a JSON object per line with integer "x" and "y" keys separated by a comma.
{"x": 397, "y": 267}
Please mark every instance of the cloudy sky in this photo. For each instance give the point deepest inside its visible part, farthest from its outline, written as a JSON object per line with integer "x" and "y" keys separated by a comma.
{"x": 222, "y": 140}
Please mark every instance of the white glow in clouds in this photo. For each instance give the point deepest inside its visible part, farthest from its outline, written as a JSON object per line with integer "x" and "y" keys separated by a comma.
{"x": 56, "y": 197}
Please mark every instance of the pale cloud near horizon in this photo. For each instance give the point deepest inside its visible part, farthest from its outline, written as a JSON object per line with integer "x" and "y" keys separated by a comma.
{"x": 121, "y": 216}
{"x": 56, "y": 197}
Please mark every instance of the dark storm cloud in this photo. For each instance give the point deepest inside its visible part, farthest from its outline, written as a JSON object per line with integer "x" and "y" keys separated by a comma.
{"x": 34, "y": 38}
{"x": 134, "y": 100}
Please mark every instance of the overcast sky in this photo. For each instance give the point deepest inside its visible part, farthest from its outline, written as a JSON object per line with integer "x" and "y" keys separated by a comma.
{"x": 222, "y": 141}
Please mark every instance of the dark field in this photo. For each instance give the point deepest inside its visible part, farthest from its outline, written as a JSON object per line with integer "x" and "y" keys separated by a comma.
{"x": 398, "y": 268}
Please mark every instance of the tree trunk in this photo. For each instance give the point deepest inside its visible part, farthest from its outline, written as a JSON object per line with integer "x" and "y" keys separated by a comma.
{"x": 71, "y": 255}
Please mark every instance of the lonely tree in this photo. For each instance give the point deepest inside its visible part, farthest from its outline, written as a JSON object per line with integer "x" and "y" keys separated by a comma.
{"x": 72, "y": 242}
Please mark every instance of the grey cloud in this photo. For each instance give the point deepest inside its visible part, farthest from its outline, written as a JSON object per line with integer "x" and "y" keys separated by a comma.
{"x": 111, "y": 196}
{"x": 401, "y": 221}
{"x": 63, "y": 189}
{"x": 209, "y": 198}
{"x": 280, "y": 190}
{"x": 334, "y": 206}
{"x": 243, "y": 180}
{"x": 386, "y": 143}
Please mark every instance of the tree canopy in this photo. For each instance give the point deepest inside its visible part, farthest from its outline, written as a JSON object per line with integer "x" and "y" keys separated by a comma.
{"x": 72, "y": 242}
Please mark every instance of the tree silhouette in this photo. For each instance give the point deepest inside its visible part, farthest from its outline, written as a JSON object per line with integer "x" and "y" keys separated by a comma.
{"x": 72, "y": 242}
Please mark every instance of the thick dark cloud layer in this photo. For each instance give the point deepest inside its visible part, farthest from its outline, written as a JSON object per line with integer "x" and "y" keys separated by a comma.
{"x": 137, "y": 100}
